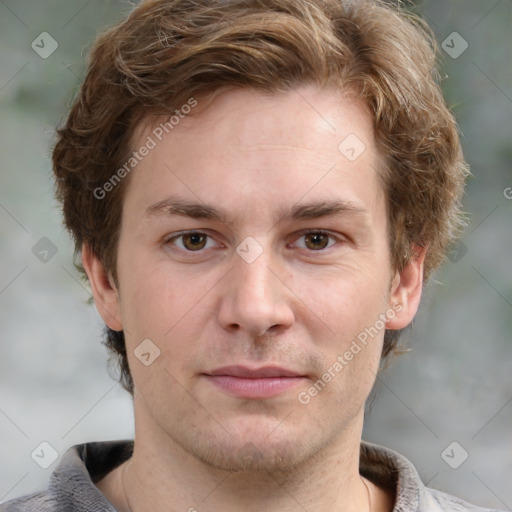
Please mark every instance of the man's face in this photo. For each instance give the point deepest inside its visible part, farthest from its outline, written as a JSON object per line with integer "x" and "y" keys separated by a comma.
{"x": 253, "y": 253}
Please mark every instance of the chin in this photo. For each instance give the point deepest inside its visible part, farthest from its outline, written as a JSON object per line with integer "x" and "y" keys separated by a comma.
{"x": 259, "y": 452}
{"x": 252, "y": 458}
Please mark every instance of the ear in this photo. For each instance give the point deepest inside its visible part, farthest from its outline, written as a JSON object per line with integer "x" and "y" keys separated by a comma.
{"x": 406, "y": 288}
{"x": 106, "y": 296}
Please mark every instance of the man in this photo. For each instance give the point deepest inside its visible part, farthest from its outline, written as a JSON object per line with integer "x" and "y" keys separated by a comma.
{"x": 259, "y": 190}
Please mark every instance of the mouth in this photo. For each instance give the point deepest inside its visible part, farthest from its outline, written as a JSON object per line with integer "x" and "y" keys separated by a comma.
{"x": 255, "y": 383}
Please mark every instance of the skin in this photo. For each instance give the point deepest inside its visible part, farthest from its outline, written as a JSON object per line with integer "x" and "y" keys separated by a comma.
{"x": 255, "y": 159}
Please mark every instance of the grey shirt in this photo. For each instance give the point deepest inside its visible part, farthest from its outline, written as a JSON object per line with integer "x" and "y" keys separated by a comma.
{"x": 72, "y": 484}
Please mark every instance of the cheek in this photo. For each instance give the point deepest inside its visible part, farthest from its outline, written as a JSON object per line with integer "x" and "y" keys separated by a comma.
{"x": 351, "y": 351}
{"x": 168, "y": 307}
{"x": 153, "y": 307}
{"x": 350, "y": 334}
{"x": 149, "y": 297}
{"x": 346, "y": 300}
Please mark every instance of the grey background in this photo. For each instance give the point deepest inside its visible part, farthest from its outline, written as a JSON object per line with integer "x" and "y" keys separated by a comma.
{"x": 456, "y": 383}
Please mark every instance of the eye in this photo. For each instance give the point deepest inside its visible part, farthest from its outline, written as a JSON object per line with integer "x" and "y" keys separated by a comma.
{"x": 193, "y": 241}
{"x": 315, "y": 241}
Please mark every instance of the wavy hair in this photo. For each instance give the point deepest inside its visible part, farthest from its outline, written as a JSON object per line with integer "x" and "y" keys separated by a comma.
{"x": 167, "y": 51}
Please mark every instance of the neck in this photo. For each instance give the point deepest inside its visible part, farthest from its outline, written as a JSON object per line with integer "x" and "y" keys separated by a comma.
{"x": 156, "y": 477}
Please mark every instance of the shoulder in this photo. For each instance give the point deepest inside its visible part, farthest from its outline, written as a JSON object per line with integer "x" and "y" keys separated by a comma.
{"x": 393, "y": 471}
{"x": 72, "y": 484}
{"x": 55, "y": 501}
{"x": 40, "y": 502}
{"x": 437, "y": 501}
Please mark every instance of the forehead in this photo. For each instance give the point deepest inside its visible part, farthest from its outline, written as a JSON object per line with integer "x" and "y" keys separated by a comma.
{"x": 243, "y": 115}
{"x": 259, "y": 148}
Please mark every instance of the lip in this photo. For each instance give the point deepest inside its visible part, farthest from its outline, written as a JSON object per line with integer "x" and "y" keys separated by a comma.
{"x": 244, "y": 372}
{"x": 256, "y": 383}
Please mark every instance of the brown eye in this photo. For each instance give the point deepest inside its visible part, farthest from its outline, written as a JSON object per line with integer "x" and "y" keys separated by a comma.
{"x": 316, "y": 241}
{"x": 194, "y": 241}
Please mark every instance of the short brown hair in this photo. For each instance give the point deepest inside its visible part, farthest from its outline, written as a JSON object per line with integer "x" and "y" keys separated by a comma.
{"x": 167, "y": 51}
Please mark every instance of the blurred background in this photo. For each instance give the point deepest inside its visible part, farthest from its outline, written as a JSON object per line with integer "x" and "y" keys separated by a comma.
{"x": 446, "y": 405}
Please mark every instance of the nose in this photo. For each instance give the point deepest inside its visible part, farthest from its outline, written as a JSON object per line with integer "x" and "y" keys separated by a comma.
{"x": 255, "y": 299}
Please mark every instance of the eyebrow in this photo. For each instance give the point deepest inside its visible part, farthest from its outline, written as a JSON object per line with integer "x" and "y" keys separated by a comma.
{"x": 186, "y": 209}
{"x": 308, "y": 211}
{"x": 324, "y": 209}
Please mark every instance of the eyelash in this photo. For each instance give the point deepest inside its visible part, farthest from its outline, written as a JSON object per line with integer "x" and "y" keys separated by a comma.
{"x": 171, "y": 239}
{"x": 337, "y": 239}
